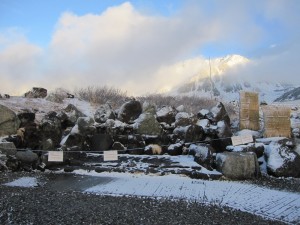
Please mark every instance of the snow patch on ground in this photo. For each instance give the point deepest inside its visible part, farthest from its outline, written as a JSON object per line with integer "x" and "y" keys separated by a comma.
{"x": 23, "y": 182}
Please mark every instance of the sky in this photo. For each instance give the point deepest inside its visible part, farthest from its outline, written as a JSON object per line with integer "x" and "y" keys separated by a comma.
{"x": 129, "y": 44}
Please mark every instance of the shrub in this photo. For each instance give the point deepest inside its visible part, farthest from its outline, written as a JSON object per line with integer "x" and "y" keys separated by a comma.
{"x": 102, "y": 95}
{"x": 58, "y": 95}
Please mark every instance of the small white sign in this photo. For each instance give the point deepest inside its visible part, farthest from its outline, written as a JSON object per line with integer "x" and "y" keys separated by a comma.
{"x": 56, "y": 156}
{"x": 110, "y": 155}
{"x": 239, "y": 140}
{"x": 247, "y": 139}
{"x": 236, "y": 140}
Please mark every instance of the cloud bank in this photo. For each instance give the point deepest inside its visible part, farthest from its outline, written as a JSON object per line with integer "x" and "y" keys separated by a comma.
{"x": 140, "y": 53}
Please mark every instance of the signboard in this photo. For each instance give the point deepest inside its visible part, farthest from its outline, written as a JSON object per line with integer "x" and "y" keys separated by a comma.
{"x": 249, "y": 111}
{"x": 110, "y": 155}
{"x": 277, "y": 121}
{"x": 56, "y": 156}
{"x": 240, "y": 140}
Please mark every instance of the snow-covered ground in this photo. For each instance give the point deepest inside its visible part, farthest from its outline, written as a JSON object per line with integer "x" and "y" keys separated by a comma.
{"x": 42, "y": 106}
{"x": 269, "y": 203}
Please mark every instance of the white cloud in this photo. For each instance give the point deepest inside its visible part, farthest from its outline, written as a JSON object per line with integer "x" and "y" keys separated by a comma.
{"x": 139, "y": 52}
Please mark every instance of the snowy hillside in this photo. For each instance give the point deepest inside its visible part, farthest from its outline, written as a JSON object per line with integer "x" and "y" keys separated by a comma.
{"x": 218, "y": 78}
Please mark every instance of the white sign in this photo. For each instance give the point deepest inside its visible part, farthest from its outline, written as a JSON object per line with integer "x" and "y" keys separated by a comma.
{"x": 239, "y": 140}
{"x": 56, "y": 156}
{"x": 110, "y": 155}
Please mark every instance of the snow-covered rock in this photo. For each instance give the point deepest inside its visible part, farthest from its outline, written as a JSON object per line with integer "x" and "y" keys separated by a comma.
{"x": 103, "y": 113}
{"x": 166, "y": 115}
{"x": 282, "y": 160}
{"x": 203, "y": 154}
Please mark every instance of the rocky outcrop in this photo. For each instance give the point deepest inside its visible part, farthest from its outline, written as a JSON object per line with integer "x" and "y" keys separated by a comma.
{"x": 36, "y": 92}
{"x": 9, "y": 121}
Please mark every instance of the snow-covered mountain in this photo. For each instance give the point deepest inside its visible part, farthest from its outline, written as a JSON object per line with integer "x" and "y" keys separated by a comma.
{"x": 291, "y": 95}
{"x": 219, "y": 78}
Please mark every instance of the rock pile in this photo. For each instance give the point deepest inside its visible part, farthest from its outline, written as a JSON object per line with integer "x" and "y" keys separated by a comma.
{"x": 140, "y": 129}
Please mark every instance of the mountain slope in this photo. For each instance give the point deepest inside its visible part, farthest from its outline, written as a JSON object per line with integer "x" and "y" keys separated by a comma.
{"x": 291, "y": 95}
{"x": 219, "y": 79}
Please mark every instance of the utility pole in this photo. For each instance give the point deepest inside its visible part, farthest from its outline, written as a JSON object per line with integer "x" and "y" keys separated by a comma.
{"x": 211, "y": 82}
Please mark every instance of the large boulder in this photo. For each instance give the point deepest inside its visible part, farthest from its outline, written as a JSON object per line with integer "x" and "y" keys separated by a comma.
{"x": 70, "y": 115}
{"x": 237, "y": 165}
{"x": 147, "y": 124}
{"x": 218, "y": 113}
{"x": 130, "y": 111}
{"x": 32, "y": 136}
{"x": 9, "y": 121}
{"x": 8, "y": 148}
{"x": 221, "y": 134}
{"x": 166, "y": 115}
{"x": 103, "y": 113}
{"x": 86, "y": 125}
{"x": 191, "y": 133}
{"x": 36, "y": 92}
{"x": 101, "y": 142}
{"x": 282, "y": 159}
{"x": 175, "y": 149}
{"x": 184, "y": 119}
{"x": 26, "y": 117}
{"x": 27, "y": 156}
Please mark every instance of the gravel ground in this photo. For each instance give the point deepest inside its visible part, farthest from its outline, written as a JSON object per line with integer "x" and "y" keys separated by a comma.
{"x": 40, "y": 205}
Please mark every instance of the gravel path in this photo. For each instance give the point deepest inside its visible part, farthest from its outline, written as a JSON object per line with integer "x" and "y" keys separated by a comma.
{"x": 41, "y": 205}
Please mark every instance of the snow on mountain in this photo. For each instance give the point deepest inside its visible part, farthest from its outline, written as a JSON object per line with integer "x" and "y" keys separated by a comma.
{"x": 219, "y": 78}
{"x": 291, "y": 95}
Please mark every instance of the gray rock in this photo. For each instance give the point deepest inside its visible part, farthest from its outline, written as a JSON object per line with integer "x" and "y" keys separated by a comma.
{"x": 218, "y": 113}
{"x": 51, "y": 128}
{"x": 27, "y": 157}
{"x": 166, "y": 115}
{"x": 130, "y": 111}
{"x": 191, "y": 133}
{"x": 72, "y": 115}
{"x": 282, "y": 160}
{"x": 203, "y": 154}
{"x": 8, "y": 148}
{"x": 184, "y": 119}
{"x": 175, "y": 149}
{"x": 86, "y": 125}
{"x": 36, "y": 92}
{"x": 118, "y": 146}
{"x": 147, "y": 124}
{"x": 103, "y": 113}
{"x": 101, "y": 142}
{"x": 26, "y": 117}
{"x": 9, "y": 122}
{"x": 238, "y": 166}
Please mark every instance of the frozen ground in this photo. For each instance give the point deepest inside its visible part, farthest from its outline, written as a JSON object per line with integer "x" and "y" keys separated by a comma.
{"x": 269, "y": 203}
